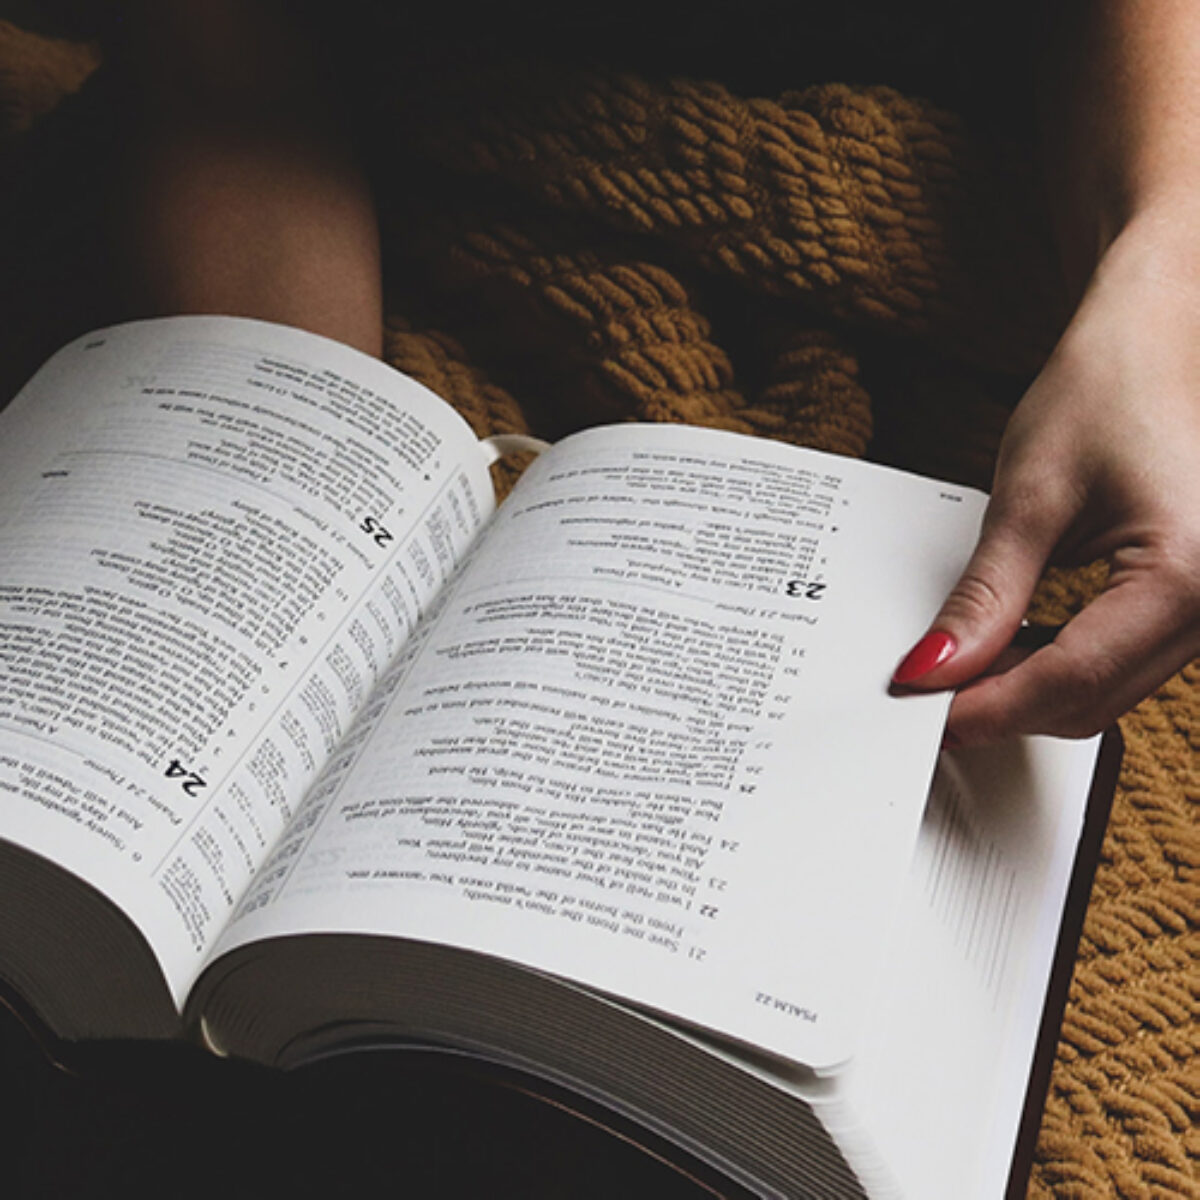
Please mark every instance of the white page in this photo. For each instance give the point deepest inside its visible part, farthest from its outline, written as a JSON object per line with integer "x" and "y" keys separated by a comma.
{"x": 216, "y": 533}
{"x": 649, "y": 744}
{"x": 957, "y": 1013}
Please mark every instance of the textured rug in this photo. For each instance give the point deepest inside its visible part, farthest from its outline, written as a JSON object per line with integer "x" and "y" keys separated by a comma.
{"x": 848, "y": 267}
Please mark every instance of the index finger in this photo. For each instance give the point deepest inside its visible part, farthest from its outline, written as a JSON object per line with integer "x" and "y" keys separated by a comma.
{"x": 1120, "y": 648}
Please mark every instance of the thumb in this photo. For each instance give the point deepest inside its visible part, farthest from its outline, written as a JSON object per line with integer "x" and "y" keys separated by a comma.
{"x": 981, "y": 614}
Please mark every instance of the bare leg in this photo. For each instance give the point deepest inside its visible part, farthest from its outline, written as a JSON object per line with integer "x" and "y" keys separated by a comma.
{"x": 240, "y": 194}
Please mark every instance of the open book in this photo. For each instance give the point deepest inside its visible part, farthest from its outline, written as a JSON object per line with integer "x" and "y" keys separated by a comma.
{"x": 303, "y": 747}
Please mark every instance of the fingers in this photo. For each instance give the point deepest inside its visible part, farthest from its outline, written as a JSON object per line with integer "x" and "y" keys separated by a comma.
{"x": 983, "y": 611}
{"x": 1118, "y": 650}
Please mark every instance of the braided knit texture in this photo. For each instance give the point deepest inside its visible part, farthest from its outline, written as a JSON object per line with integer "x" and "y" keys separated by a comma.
{"x": 844, "y": 267}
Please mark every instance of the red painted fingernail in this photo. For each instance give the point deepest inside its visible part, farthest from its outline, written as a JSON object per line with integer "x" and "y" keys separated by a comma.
{"x": 931, "y": 651}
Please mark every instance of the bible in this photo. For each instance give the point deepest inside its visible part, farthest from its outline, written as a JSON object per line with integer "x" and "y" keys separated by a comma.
{"x": 308, "y": 747}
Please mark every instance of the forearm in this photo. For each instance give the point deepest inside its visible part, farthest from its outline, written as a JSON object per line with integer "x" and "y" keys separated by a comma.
{"x": 239, "y": 194}
{"x": 1120, "y": 115}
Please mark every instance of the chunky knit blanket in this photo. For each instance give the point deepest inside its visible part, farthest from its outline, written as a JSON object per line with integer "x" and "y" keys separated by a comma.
{"x": 842, "y": 266}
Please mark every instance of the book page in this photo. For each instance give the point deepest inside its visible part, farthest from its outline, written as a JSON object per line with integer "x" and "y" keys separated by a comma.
{"x": 216, "y": 534}
{"x": 957, "y": 1016}
{"x": 648, "y": 743}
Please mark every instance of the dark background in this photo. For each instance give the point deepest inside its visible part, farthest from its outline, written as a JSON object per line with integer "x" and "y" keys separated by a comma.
{"x": 171, "y": 1121}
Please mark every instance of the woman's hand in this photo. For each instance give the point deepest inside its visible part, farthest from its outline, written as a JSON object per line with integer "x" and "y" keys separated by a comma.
{"x": 1100, "y": 459}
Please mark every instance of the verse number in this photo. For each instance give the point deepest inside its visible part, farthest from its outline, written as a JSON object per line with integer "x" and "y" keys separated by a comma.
{"x": 188, "y": 780}
{"x": 803, "y": 589}
{"x": 375, "y": 528}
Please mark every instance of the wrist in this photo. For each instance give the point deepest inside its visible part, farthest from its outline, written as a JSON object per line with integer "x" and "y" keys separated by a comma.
{"x": 1156, "y": 241}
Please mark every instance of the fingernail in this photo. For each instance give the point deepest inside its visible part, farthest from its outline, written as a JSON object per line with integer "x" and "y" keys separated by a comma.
{"x": 931, "y": 651}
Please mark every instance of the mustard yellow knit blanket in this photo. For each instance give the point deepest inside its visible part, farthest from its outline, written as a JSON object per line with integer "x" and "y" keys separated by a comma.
{"x": 841, "y": 266}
